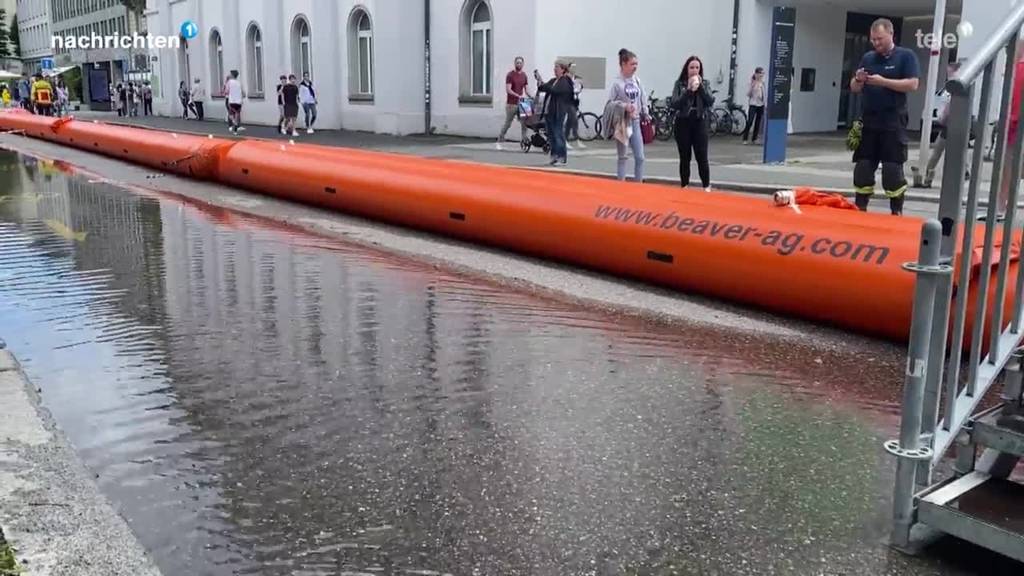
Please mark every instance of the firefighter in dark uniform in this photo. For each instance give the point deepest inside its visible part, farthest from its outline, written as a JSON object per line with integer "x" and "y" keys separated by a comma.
{"x": 885, "y": 76}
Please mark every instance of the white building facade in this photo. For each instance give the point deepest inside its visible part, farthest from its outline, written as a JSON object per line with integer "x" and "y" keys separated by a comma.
{"x": 34, "y": 29}
{"x": 367, "y": 57}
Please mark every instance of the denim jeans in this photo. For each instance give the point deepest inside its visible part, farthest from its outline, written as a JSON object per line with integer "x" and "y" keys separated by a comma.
{"x": 636, "y": 142}
{"x": 310, "y": 110}
{"x": 556, "y": 131}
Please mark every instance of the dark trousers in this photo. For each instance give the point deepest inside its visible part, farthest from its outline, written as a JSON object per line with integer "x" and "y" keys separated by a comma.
{"x": 556, "y": 132}
{"x": 754, "y": 117}
{"x": 147, "y": 107}
{"x": 197, "y": 109}
{"x": 692, "y": 140}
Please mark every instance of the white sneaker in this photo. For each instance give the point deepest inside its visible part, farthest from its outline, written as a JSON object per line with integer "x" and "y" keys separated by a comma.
{"x": 497, "y": 146}
{"x": 294, "y": 133}
{"x": 708, "y": 189}
{"x": 309, "y": 130}
{"x": 240, "y": 129}
{"x": 282, "y": 131}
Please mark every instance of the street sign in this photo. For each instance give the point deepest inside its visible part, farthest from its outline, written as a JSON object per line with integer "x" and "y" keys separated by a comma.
{"x": 46, "y": 63}
{"x": 780, "y": 82}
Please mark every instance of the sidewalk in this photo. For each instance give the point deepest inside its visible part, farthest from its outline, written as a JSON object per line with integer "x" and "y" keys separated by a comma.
{"x": 817, "y": 160}
{"x": 51, "y": 510}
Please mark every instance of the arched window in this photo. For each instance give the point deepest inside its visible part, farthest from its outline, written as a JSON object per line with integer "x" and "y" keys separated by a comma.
{"x": 477, "y": 49}
{"x": 360, "y": 54}
{"x": 254, "y": 54}
{"x": 302, "y": 47}
{"x": 216, "y": 62}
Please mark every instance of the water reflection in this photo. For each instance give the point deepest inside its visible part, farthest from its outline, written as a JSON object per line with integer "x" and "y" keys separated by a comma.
{"x": 261, "y": 401}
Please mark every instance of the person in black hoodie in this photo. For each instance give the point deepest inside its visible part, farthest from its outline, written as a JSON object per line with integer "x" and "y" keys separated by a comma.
{"x": 557, "y": 105}
{"x": 691, "y": 98}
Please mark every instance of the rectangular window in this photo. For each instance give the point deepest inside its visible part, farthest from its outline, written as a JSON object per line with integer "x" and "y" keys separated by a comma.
{"x": 365, "y": 60}
{"x": 478, "y": 62}
{"x": 305, "y": 58}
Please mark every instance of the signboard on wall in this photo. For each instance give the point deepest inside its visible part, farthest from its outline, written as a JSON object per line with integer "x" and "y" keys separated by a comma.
{"x": 780, "y": 84}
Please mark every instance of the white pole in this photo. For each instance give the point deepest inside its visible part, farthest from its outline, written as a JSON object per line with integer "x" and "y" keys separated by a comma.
{"x": 935, "y": 50}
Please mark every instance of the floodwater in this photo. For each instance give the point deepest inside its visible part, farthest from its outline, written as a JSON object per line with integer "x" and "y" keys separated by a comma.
{"x": 258, "y": 400}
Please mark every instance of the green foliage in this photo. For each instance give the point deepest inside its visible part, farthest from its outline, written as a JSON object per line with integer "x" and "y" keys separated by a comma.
{"x": 5, "y": 36}
{"x": 73, "y": 80}
{"x": 8, "y": 567}
{"x": 14, "y": 37}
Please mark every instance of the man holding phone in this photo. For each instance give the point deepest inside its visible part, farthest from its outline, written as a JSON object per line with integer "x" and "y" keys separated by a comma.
{"x": 886, "y": 75}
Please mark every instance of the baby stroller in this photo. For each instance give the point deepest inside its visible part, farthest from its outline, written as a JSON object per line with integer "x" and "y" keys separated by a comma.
{"x": 532, "y": 118}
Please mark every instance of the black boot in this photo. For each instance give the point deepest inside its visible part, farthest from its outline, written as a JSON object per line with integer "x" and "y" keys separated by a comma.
{"x": 862, "y": 201}
{"x": 896, "y": 205}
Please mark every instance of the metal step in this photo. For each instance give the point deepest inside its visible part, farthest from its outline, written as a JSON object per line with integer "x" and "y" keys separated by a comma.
{"x": 977, "y": 508}
{"x": 986, "y": 432}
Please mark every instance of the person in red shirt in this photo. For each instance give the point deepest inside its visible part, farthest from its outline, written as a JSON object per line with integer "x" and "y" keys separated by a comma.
{"x": 1018, "y": 89}
{"x": 516, "y": 87}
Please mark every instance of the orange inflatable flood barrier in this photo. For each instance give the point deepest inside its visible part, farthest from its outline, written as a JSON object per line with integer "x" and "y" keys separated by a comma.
{"x": 841, "y": 267}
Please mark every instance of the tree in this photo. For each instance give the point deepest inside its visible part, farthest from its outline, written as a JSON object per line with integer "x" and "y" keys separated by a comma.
{"x": 14, "y": 37}
{"x": 5, "y": 36}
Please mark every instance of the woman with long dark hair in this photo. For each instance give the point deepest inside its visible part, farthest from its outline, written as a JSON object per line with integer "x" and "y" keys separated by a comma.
{"x": 691, "y": 99}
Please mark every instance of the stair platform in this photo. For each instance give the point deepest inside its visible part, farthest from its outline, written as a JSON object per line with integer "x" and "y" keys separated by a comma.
{"x": 980, "y": 509}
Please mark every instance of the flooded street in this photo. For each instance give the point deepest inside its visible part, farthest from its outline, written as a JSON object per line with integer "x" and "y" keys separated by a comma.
{"x": 256, "y": 399}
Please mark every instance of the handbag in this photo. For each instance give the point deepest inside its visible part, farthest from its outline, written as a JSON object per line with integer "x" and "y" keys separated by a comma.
{"x": 647, "y": 130}
{"x": 646, "y": 124}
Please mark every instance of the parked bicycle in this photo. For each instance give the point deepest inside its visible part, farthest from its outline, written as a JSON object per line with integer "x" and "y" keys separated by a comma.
{"x": 589, "y": 126}
{"x": 730, "y": 118}
{"x": 662, "y": 116}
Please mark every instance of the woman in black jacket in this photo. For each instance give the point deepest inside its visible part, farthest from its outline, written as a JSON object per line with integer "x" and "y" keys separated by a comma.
{"x": 691, "y": 98}
{"x": 557, "y": 105}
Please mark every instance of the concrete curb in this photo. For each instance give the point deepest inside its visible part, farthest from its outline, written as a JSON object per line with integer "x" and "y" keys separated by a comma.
{"x": 742, "y": 187}
{"x": 51, "y": 510}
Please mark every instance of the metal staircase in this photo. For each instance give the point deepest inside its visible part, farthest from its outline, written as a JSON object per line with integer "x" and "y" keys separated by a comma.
{"x": 947, "y": 374}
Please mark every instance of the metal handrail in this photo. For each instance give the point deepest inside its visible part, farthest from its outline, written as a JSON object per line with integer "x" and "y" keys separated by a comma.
{"x": 933, "y": 378}
{"x": 975, "y": 66}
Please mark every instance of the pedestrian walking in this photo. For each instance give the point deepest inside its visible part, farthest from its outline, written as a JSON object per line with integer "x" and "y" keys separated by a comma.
{"x": 198, "y": 96}
{"x": 557, "y": 103}
{"x": 122, "y": 97}
{"x": 5, "y": 95}
{"x": 281, "y": 82}
{"x": 755, "y": 105}
{"x": 147, "y": 98}
{"x": 25, "y": 93}
{"x": 235, "y": 96}
{"x": 885, "y": 76}
{"x": 516, "y": 88}
{"x": 42, "y": 96}
{"x": 290, "y": 97}
{"x": 692, "y": 99}
{"x": 572, "y": 123}
{"x": 939, "y": 146}
{"x": 224, "y": 95}
{"x": 63, "y": 100}
{"x": 628, "y": 93}
{"x": 184, "y": 94}
{"x": 307, "y": 97}
{"x": 133, "y": 103}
